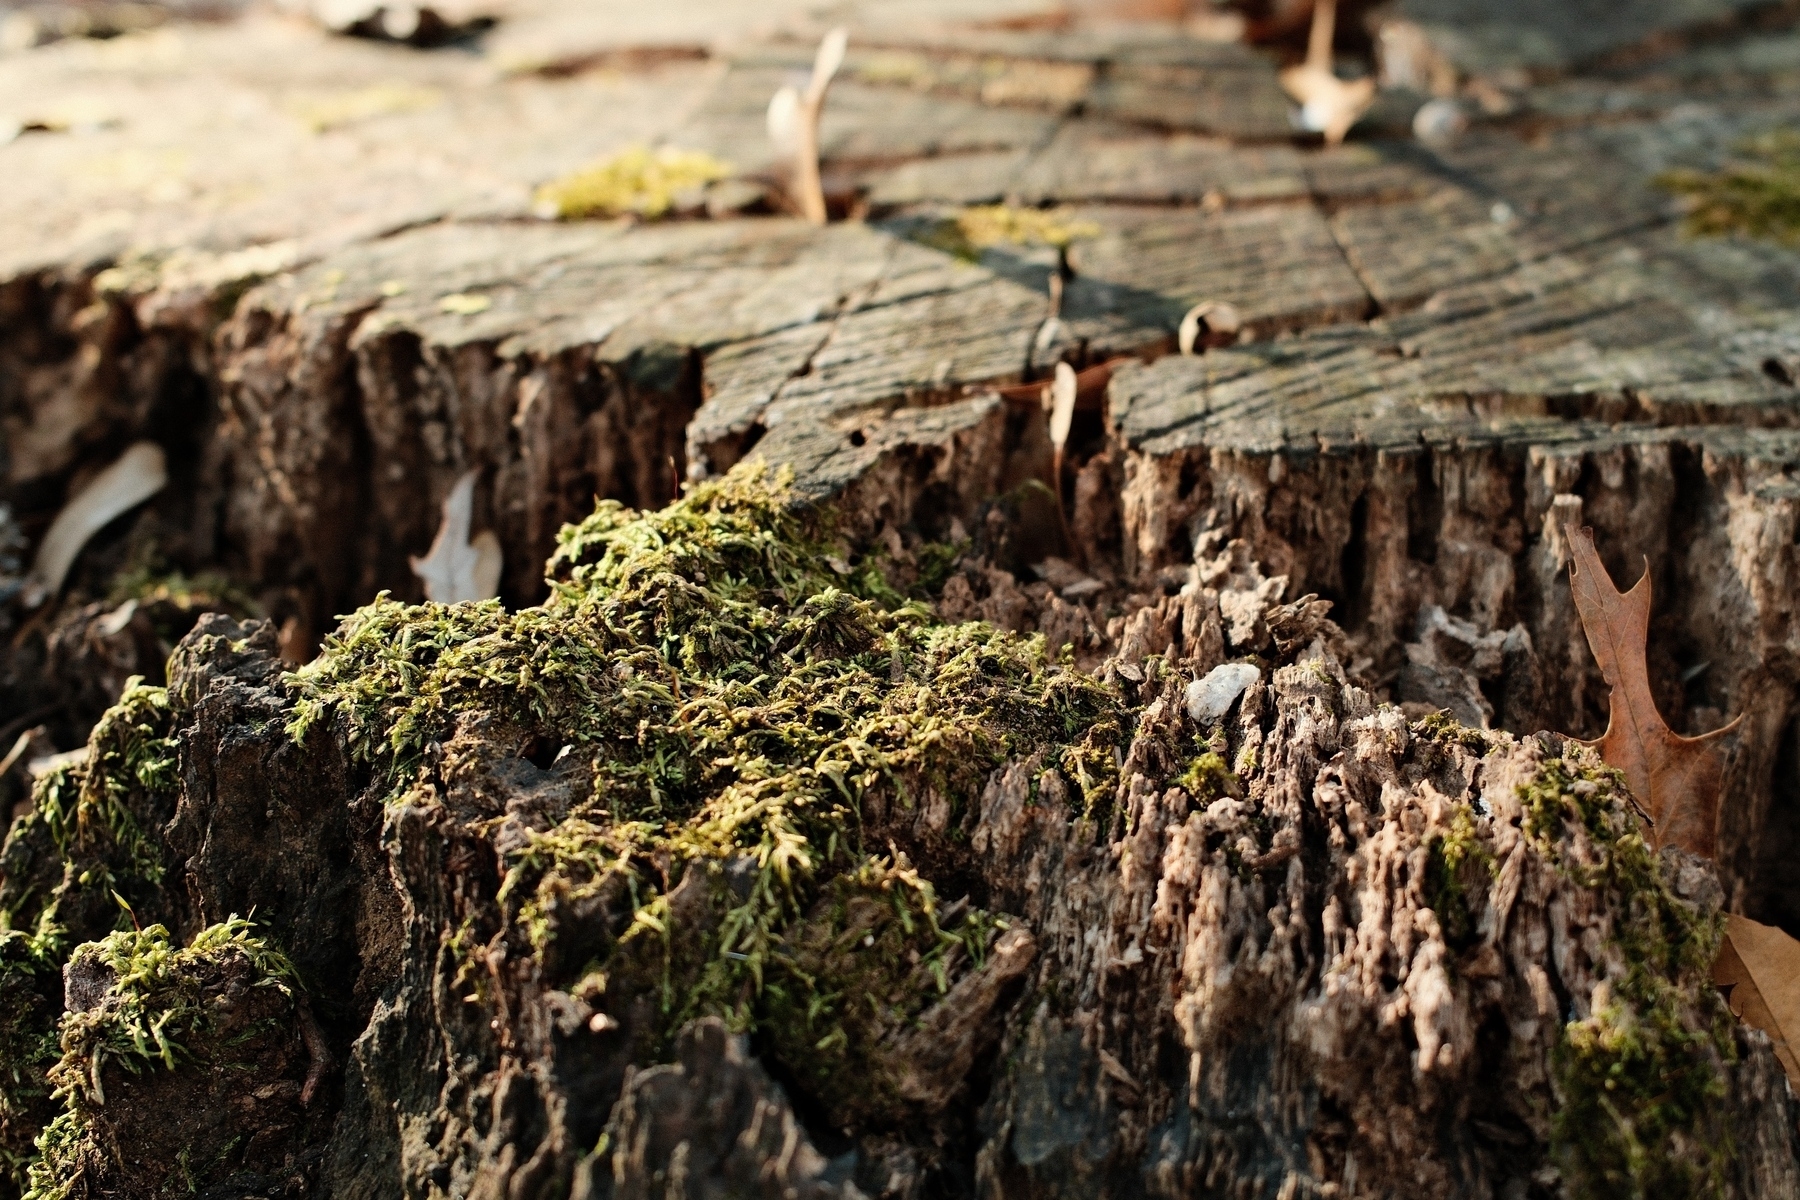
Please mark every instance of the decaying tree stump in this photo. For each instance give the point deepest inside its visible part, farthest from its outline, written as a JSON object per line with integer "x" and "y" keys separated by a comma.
{"x": 853, "y": 807}
{"x": 917, "y": 912}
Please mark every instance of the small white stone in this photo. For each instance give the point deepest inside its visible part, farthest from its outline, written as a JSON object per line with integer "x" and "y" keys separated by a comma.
{"x": 1440, "y": 122}
{"x": 1209, "y": 699}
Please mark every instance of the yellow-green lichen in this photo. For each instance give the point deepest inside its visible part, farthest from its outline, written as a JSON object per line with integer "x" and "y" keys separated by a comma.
{"x": 1639, "y": 1080}
{"x": 985, "y": 226}
{"x": 323, "y": 113}
{"x": 1756, "y": 194}
{"x": 637, "y": 181}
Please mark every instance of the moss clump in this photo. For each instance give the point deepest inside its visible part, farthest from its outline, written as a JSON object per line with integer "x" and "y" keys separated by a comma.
{"x": 936, "y": 563}
{"x": 1640, "y": 1079}
{"x": 1208, "y": 778}
{"x": 985, "y": 226}
{"x": 739, "y": 703}
{"x": 1758, "y": 194}
{"x": 131, "y": 757}
{"x": 1441, "y": 727}
{"x": 30, "y": 986}
{"x": 852, "y": 979}
{"x": 85, "y": 850}
{"x": 174, "y": 598}
{"x": 1457, "y": 863}
{"x": 72, "y": 869}
{"x": 636, "y": 181}
{"x": 221, "y": 1009}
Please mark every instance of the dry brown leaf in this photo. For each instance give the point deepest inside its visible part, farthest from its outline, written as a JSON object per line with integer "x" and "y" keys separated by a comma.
{"x": 459, "y": 568}
{"x": 1090, "y": 389}
{"x": 1677, "y": 779}
{"x": 133, "y": 478}
{"x": 1758, "y": 969}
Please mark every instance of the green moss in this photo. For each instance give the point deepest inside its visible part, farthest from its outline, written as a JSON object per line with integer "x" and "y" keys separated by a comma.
{"x": 1440, "y": 726}
{"x": 1639, "y": 1081}
{"x": 131, "y": 754}
{"x": 1208, "y": 778}
{"x": 155, "y": 1000}
{"x": 1757, "y": 194}
{"x": 856, "y": 975}
{"x": 151, "y": 582}
{"x": 29, "y": 985}
{"x": 86, "y": 849}
{"x": 635, "y": 181}
{"x": 936, "y": 562}
{"x": 738, "y": 697}
{"x": 984, "y": 226}
{"x": 71, "y": 869}
{"x": 1458, "y": 862}
{"x": 160, "y": 1012}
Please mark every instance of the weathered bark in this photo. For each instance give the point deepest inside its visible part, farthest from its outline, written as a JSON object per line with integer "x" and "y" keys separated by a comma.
{"x": 1327, "y": 948}
{"x": 1344, "y": 954}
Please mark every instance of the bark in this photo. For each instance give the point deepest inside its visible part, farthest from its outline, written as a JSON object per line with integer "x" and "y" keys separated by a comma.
{"x": 1351, "y": 964}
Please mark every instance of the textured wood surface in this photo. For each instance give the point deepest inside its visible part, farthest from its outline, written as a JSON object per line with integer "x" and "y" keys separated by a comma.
{"x": 371, "y": 204}
{"x": 309, "y": 266}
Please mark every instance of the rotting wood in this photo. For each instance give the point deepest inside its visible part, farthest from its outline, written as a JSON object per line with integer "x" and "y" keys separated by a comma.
{"x": 1441, "y": 357}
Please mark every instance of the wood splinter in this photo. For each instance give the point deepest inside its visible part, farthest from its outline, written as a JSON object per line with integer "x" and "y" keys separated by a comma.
{"x": 794, "y": 126}
{"x": 1328, "y": 105}
{"x": 1063, "y": 393}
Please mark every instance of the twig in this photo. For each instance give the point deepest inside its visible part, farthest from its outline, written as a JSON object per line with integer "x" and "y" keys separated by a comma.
{"x": 317, "y": 1051}
{"x": 1322, "y": 34}
{"x": 1062, "y": 415}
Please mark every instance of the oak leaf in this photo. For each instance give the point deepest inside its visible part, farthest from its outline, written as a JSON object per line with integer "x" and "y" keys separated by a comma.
{"x": 1758, "y": 968}
{"x": 1677, "y": 779}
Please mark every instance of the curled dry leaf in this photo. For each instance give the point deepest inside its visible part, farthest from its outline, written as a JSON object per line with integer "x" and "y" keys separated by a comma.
{"x": 1677, "y": 779}
{"x": 784, "y": 121}
{"x": 1062, "y": 405}
{"x": 1759, "y": 970}
{"x": 826, "y": 63}
{"x": 1206, "y": 318}
{"x": 137, "y": 475}
{"x": 458, "y": 568}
